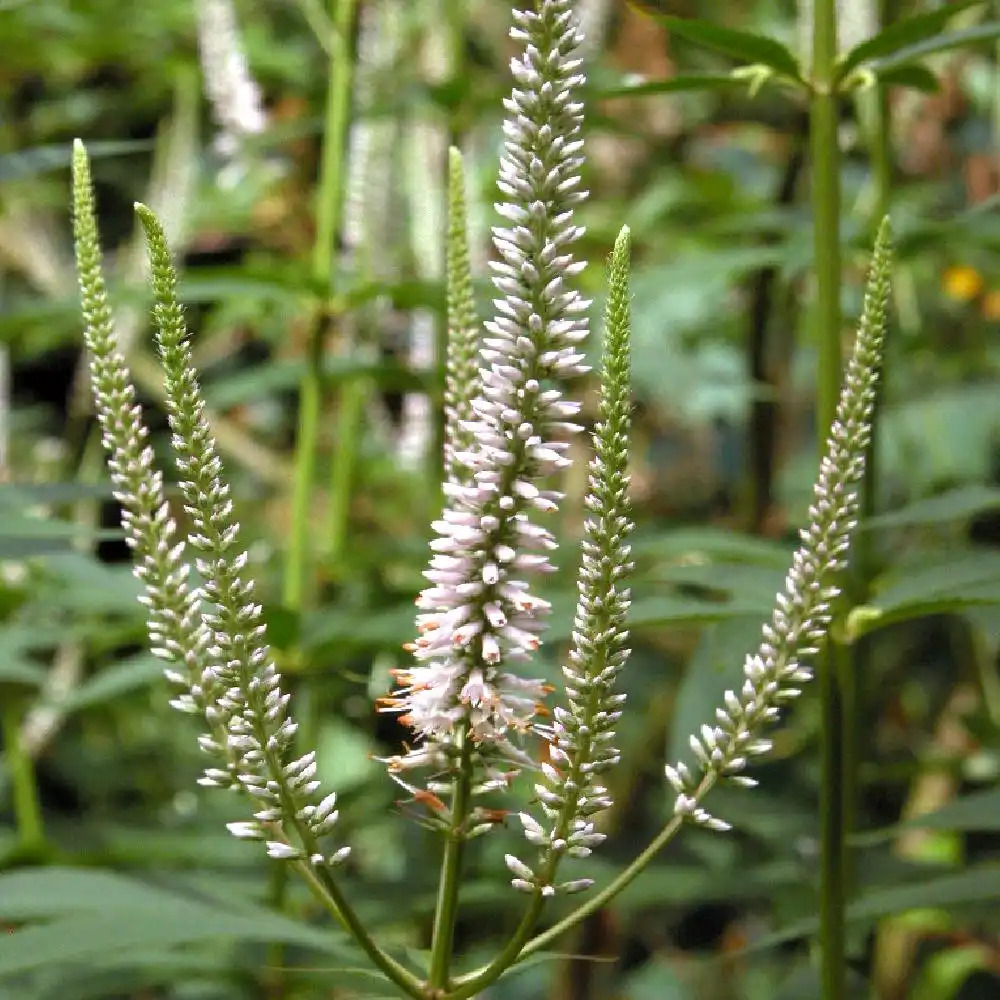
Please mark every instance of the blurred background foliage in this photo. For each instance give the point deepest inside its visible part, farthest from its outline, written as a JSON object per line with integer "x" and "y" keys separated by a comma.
{"x": 118, "y": 878}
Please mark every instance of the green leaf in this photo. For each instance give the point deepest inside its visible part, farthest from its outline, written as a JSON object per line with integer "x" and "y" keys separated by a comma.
{"x": 913, "y": 76}
{"x": 21, "y": 675}
{"x": 742, "y": 45}
{"x": 740, "y": 582}
{"x": 975, "y": 885}
{"x": 23, "y": 536}
{"x": 900, "y": 35}
{"x": 664, "y": 612}
{"x": 671, "y": 85}
{"x": 955, "y": 506}
{"x": 82, "y": 585}
{"x": 19, "y": 495}
{"x": 98, "y": 916}
{"x": 940, "y": 43}
{"x": 948, "y": 585}
{"x": 979, "y": 884}
{"x": 700, "y": 545}
{"x": 130, "y": 675}
{"x": 979, "y": 811}
{"x": 16, "y": 666}
{"x": 47, "y": 159}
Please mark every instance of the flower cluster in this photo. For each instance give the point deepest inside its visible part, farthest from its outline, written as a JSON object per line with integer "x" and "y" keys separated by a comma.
{"x": 176, "y": 632}
{"x": 247, "y": 703}
{"x": 803, "y": 610}
{"x": 479, "y": 614}
{"x": 581, "y": 736}
{"x": 233, "y": 93}
{"x": 215, "y": 632}
{"x": 506, "y": 435}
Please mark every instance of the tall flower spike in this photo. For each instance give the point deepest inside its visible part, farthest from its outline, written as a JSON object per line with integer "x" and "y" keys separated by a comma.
{"x": 174, "y": 623}
{"x": 461, "y": 369}
{"x": 802, "y": 614}
{"x": 479, "y": 614}
{"x": 233, "y": 93}
{"x": 249, "y": 704}
{"x": 581, "y": 737}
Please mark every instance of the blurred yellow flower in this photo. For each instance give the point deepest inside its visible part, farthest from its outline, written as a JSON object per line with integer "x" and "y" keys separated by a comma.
{"x": 962, "y": 283}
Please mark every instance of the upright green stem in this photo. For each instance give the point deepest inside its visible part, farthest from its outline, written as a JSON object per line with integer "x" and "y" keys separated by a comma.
{"x": 329, "y": 202}
{"x": 329, "y": 206}
{"x": 826, "y": 208}
{"x": 852, "y": 659}
{"x": 27, "y": 811}
{"x": 446, "y": 912}
{"x": 833, "y": 675}
{"x": 350, "y": 416}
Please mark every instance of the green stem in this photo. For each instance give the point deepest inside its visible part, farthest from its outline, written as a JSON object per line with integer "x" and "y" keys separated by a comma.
{"x": 832, "y": 840}
{"x": 825, "y": 150}
{"x": 27, "y": 810}
{"x": 826, "y": 219}
{"x": 328, "y": 226}
{"x": 328, "y": 892}
{"x": 326, "y": 889}
{"x": 475, "y": 982}
{"x": 446, "y": 912}
{"x": 329, "y": 201}
{"x": 329, "y": 206}
{"x": 349, "y": 427}
{"x": 522, "y": 945}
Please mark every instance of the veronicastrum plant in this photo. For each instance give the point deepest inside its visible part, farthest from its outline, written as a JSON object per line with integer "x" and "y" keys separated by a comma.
{"x": 477, "y": 714}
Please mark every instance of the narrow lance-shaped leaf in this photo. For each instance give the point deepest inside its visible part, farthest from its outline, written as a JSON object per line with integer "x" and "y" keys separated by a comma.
{"x": 742, "y": 45}
{"x": 901, "y": 34}
{"x": 978, "y": 34}
{"x": 803, "y": 610}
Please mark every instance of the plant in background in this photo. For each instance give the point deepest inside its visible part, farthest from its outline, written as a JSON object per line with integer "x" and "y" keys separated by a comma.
{"x": 469, "y": 697}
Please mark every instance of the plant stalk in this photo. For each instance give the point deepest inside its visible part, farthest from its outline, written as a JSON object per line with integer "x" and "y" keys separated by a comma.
{"x": 446, "y": 911}
{"x": 834, "y": 675}
{"x": 333, "y": 180}
{"x": 522, "y": 945}
{"x": 24, "y": 788}
{"x": 329, "y": 202}
{"x": 328, "y": 892}
{"x": 329, "y": 207}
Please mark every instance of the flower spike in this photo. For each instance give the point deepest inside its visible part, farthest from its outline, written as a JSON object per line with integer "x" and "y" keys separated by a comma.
{"x": 581, "y": 736}
{"x": 176, "y": 633}
{"x": 478, "y": 613}
{"x": 803, "y": 610}
{"x": 247, "y": 703}
{"x": 462, "y": 369}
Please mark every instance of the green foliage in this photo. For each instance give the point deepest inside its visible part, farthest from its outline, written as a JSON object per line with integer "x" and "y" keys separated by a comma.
{"x": 137, "y": 891}
{"x": 742, "y": 45}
